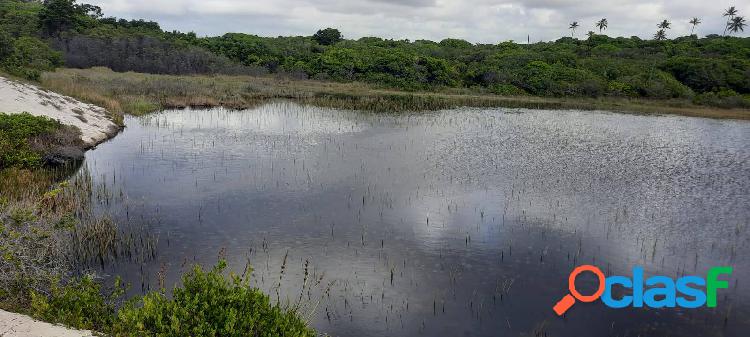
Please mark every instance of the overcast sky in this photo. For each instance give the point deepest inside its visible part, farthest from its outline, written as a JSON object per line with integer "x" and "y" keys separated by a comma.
{"x": 485, "y": 21}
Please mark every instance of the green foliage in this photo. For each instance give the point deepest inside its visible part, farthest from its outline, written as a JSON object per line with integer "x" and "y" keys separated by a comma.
{"x": 706, "y": 75}
{"x": 34, "y": 53}
{"x": 724, "y": 98}
{"x": 507, "y": 90}
{"x": 6, "y": 46}
{"x": 57, "y": 16}
{"x": 15, "y": 132}
{"x": 19, "y": 18}
{"x": 78, "y": 304}
{"x": 328, "y": 36}
{"x": 598, "y": 66}
{"x": 657, "y": 84}
{"x": 209, "y": 304}
{"x": 542, "y": 79}
{"x": 27, "y": 56}
{"x": 455, "y": 43}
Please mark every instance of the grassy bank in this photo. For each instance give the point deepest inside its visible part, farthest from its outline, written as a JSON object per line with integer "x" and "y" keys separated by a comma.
{"x": 137, "y": 94}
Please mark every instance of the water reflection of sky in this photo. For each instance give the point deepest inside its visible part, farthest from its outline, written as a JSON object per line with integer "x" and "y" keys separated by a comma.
{"x": 479, "y": 215}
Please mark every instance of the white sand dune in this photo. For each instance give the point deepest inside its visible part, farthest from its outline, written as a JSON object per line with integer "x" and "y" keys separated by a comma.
{"x": 94, "y": 121}
{"x": 15, "y": 325}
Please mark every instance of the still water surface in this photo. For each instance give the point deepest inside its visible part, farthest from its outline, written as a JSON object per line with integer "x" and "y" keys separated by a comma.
{"x": 453, "y": 223}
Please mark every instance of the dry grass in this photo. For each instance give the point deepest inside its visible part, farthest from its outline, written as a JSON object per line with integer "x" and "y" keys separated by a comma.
{"x": 137, "y": 94}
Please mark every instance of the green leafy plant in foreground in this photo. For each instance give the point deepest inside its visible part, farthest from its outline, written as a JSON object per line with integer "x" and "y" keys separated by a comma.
{"x": 209, "y": 304}
{"x": 79, "y": 304}
{"x": 15, "y": 131}
{"x": 26, "y": 139}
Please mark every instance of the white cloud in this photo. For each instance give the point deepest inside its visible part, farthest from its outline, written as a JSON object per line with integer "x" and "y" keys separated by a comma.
{"x": 487, "y": 21}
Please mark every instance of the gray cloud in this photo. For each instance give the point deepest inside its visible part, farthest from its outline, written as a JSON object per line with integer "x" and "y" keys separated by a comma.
{"x": 486, "y": 21}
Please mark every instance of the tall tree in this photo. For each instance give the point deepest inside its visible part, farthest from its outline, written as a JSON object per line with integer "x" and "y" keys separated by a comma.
{"x": 736, "y": 25}
{"x": 328, "y": 36}
{"x": 729, "y": 14}
{"x": 660, "y": 35}
{"x": 57, "y": 16}
{"x": 664, "y": 24}
{"x": 694, "y": 22}
{"x": 573, "y": 27}
{"x": 602, "y": 25}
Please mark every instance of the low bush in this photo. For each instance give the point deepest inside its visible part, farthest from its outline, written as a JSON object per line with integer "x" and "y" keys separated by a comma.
{"x": 724, "y": 98}
{"x": 27, "y": 56}
{"x": 79, "y": 304}
{"x": 30, "y": 141}
{"x": 209, "y": 304}
{"x": 657, "y": 84}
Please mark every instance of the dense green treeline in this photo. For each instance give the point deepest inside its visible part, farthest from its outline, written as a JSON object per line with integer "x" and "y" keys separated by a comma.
{"x": 714, "y": 70}
{"x": 708, "y": 69}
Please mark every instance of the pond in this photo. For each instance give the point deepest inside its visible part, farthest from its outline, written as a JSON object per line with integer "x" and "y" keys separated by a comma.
{"x": 462, "y": 222}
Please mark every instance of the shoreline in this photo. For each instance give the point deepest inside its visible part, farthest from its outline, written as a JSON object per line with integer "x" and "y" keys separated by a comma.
{"x": 139, "y": 94}
{"x": 95, "y": 123}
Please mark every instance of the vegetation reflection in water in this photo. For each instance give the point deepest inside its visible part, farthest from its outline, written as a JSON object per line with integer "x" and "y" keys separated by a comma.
{"x": 446, "y": 223}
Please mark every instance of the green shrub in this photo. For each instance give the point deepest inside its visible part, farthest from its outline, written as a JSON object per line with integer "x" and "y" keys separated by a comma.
{"x": 31, "y": 52}
{"x": 209, "y": 304}
{"x": 79, "y": 304}
{"x": 605, "y": 49}
{"x": 25, "y": 125}
{"x": 657, "y": 84}
{"x": 617, "y": 88}
{"x": 724, "y": 98}
{"x": 507, "y": 90}
{"x": 710, "y": 74}
{"x": 28, "y": 56}
{"x": 15, "y": 132}
{"x": 544, "y": 79}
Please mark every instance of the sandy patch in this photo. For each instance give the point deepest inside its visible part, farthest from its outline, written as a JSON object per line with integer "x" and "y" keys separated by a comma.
{"x": 94, "y": 121}
{"x": 15, "y": 325}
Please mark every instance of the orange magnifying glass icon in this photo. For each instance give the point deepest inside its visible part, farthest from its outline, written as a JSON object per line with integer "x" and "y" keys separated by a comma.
{"x": 566, "y": 302}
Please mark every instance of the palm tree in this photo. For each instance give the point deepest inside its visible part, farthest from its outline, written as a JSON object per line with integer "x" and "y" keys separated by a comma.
{"x": 664, "y": 24}
{"x": 573, "y": 27}
{"x": 602, "y": 25}
{"x": 736, "y": 25}
{"x": 729, "y": 13}
{"x": 694, "y": 22}
{"x": 590, "y": 34}
{"x": 660, "y": 35}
